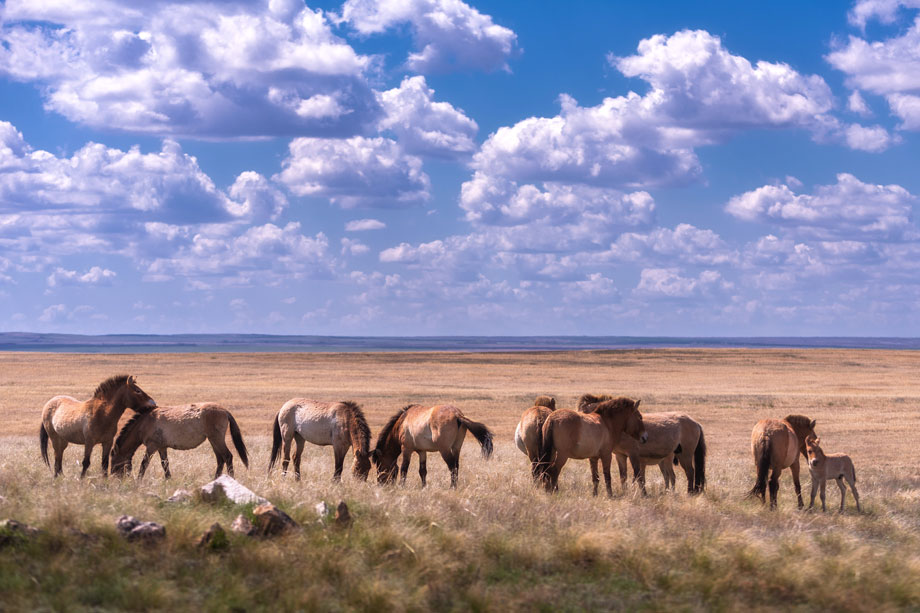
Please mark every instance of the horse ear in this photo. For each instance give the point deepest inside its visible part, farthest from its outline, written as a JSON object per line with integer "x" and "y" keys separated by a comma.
{"x": 636, "y": 406}
{"x": 812, "y": 424}
{"x": 131, "y": 380}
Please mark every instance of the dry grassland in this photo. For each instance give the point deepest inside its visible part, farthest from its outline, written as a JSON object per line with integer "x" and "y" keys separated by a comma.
{"x": 495, "y": 543}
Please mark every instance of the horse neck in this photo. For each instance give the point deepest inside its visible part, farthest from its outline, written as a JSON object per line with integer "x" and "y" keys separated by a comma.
{"x": 133, "y": 441}
{"x": 615, "y": 422}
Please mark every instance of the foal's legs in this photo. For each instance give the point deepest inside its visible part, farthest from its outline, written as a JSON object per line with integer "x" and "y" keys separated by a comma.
{"x": 823, "y": 488}
{"x": 423, "y": 467}
{"x": 595, "y": 477}
{"x": 814, "y": 490}
{"x": 298, "y": 453}
{"x": 843, "y": 492}
{"x": 852, "y": 483}
{"x": 796, "y": 482}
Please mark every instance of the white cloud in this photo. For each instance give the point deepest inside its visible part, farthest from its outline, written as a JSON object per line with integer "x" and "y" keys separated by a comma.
{"x": 685, "y": 243}
{"x": 449, "y": 34}
{"x": 351, "y": 246}
{"x": 358, "y": 171}
{"x": 202, "y": 69}
{"x": 857, "y": 104}
{"x": 362, "y": 225}
{"x": 869, "y": 138}
{"x": 885, "y": 11}
{"x": 94, "y": 276}
{"x": 668, "y": 282}
{"x": 847, "y": 209}
{"x": 258, "y": 200}
{"x": 424, "y": 126}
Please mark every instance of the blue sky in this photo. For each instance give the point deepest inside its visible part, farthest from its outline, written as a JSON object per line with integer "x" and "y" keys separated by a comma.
{"x": 417, "y": 167}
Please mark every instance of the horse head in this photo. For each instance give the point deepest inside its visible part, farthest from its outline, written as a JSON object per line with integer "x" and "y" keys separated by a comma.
{"x": 813, "y": 451}
{"x": 362, "y": 464}
{"x": 635, "y": 427}
{"x": 138, "y": 400}
{"x": 385, "y": 461}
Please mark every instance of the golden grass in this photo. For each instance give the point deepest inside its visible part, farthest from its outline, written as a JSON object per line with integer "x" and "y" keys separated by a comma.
{"x": 496, "y": 542}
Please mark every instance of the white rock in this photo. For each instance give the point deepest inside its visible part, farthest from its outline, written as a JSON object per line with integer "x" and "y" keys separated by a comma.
{"x": 180, "y": 495}
{"x": 228, "y": 488}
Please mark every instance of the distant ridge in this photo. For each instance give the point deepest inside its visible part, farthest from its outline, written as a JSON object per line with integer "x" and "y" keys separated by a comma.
{"x": 251, "y": 343}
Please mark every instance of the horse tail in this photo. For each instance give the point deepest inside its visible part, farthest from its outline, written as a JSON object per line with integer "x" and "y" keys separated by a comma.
{"x": 237, "y": 437}
{"x": 481, "y": 432}
{"x": 276, "y": 444}
{"x": 763, "y": 467}
{"x": 547, "y": 446}
{"x": 699, "y": 464}
{"x": 43, "y": 443}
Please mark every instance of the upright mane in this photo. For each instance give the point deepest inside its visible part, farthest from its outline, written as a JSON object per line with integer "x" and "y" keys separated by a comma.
{"x": 110, "y": 386}
{"x": 386, "y": 433}
{"x": 356, "y": 419}
{"x": 798, "y": 421}
{"x": 128, "y": 429}
{"x": 586, "y": 400}
{"x": 612, "y": 407}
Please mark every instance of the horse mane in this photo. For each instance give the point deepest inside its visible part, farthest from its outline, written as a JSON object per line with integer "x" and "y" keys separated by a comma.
{"x": 128, "y": 429}
{"x": 586, "y": 400}
{"x": 798, "y": 421}
{"x": 110, "y": 386}
{"x": 612, "y": 406}
{"x": 545, "y": 401}
{"x": 386, "y": 433}
{"x": 358, "y": 423}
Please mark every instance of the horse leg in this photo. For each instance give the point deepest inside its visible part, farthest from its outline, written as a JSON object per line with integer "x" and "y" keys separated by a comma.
{"x": 404, "y": 467}
{"x": 823, "y": 488}
{"x": 774, "y": 486}
{"x": 298, "y": 454}
{"x": 285, "y": 451}
{"x": 595, "y": 476}
{"x": 106, "y": 450}
{"x": 686, "y": 462}
{"x": 338, "y": 452}
{"x": 814, "y": 492}
{"x": 638, "y": 472}
{"x": 87, "y": 453}
{"x": 852, "y": 483}
{"x": 164, "y": 462}
{"x": 59, "y": 445}
{"x": 423, "y": 467}
{"x": 621, "y": 464}
{"x": 843, "y": 492}
{"x": 605, "y": 464}
{"x": 552, "y": 473}
{"x": 796, "y": 482}
{"x": 219, "y": 445}
{"x": 148, "y": 453}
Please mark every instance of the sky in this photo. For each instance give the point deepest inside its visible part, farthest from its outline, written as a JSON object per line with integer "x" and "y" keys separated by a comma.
{"x": 438, "y": 167}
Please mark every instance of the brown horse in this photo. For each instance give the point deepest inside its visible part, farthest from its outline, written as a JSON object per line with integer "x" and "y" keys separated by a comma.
{"x": 66, "y": 420}
{"x": 837, "y": 466}
{"x": 178, "y": 427}
{"x": 340, "y": 424}
{"x": 777, "y": 444}
{"x": 420, "y": 429}
{"x": 569, "y": 434}
{"x": 529, "y": 431}
{"x": 672, "y": 438}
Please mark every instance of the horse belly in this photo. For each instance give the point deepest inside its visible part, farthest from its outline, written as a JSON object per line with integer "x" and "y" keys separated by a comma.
{"x": 318, "y": 432}
{"x": 423, "y": 440}
{"x": 175, "y": 437}
{"x": 71, "y": 430}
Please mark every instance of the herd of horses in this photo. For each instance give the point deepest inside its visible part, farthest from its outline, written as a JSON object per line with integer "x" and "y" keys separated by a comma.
{"x": 600, "y": 428}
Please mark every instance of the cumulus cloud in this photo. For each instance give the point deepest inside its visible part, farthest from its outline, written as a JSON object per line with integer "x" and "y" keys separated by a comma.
{"x": 94, "y": 276}
{"x": 685, "y": 243}
{"x": 255, "y": 198}
{"x": 884, "y": 10}
{"x": 201, "y": 69}
{"x": 361, "y": 225}
{"x": 449, "y": 34}
{"x": 668, "y": 282}
{"x": 353, "y": 172}
{"x": 424, "y": 126}
{"x": 847, "y": 209}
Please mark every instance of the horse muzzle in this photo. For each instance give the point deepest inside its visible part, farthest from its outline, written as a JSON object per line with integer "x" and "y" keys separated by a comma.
{"x": 643, "y": 438}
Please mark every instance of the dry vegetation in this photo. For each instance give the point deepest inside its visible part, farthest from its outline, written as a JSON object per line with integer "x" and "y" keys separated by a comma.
{"x": 495, "y": 543}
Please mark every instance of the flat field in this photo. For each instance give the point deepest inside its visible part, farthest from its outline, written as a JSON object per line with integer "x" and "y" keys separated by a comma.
{"x": 496, "y": 543}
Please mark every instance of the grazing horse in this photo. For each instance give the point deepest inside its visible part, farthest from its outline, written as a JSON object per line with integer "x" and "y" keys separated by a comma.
{"x": 178, "y": 427}
{"x": 569, "y": 434}
{"x": 672, "y": 438}
{"x": 529, "y": 431}
{"x": 420, "y": 429}
{"x": 340, "y": 424}
{"x": 837, "y": 466}
{"x": 66, "y": 420}
{"x": 776, "y": 444}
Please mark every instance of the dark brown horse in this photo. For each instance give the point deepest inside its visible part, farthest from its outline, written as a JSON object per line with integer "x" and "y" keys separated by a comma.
{"x": 340, "y": 424}
{"x": 581, "y": 436}
{"x": 529, "y": 431}
{"x": 420, "y": 429}
{"x": 89, "y": 423}
{"x": 776, "y": 444}
{"x": 179, "y": 427}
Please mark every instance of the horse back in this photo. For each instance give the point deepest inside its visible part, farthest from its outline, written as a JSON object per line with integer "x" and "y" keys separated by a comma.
{"x": 431, "y": 428}
{"x": 779, "y": 438}
{"x": 578, "y": 435}
{"x": 315, "y": 421}
{"x": 531, "y": 426}
{"x": 665, "y": 433}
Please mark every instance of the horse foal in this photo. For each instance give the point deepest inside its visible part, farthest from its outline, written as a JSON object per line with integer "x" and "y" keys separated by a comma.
{"x": 837, "y": 466}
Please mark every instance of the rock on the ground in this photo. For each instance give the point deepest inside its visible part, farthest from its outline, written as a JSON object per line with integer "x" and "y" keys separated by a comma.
{"x": 342, "y": 516}
{"x": 180, "y": 495}
{"x": 322, "y": 510}
{"x": 11, "y": 530}
{"x": 270, "y": 520}
{"x": 214, "y": 538}
{"x": 134, "y": 529}
{"x": 242, "y": 525}
{"x": 228, "y": 488}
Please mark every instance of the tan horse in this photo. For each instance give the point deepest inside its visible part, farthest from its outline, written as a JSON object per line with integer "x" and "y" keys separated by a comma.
{"x": 529, "y": 431}
{"x": 419, "y": 429}
{"x": 340, "y": 424}
{"x": 178, "y": 427}
{"x": 776, "y": 444}
{"x": 837, "y": 466}
{"x": 569, "y": 434}
{"x": 89, "y": 423}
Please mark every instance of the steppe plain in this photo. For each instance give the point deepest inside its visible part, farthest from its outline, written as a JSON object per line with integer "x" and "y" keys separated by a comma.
{"x": 496, "y": 543}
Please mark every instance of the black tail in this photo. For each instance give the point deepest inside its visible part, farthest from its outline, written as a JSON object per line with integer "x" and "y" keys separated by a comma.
{"x": 547, "y": 448}
{"x": 699, "y": 464}
{"x": 481, "y": 432}
{"x": 276, "y": 444}
{"x": 43, "y": 443}
{"x": 763, "y": 467}
{"x": 535, "y": 466}
{"x": 238, "y": 441}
